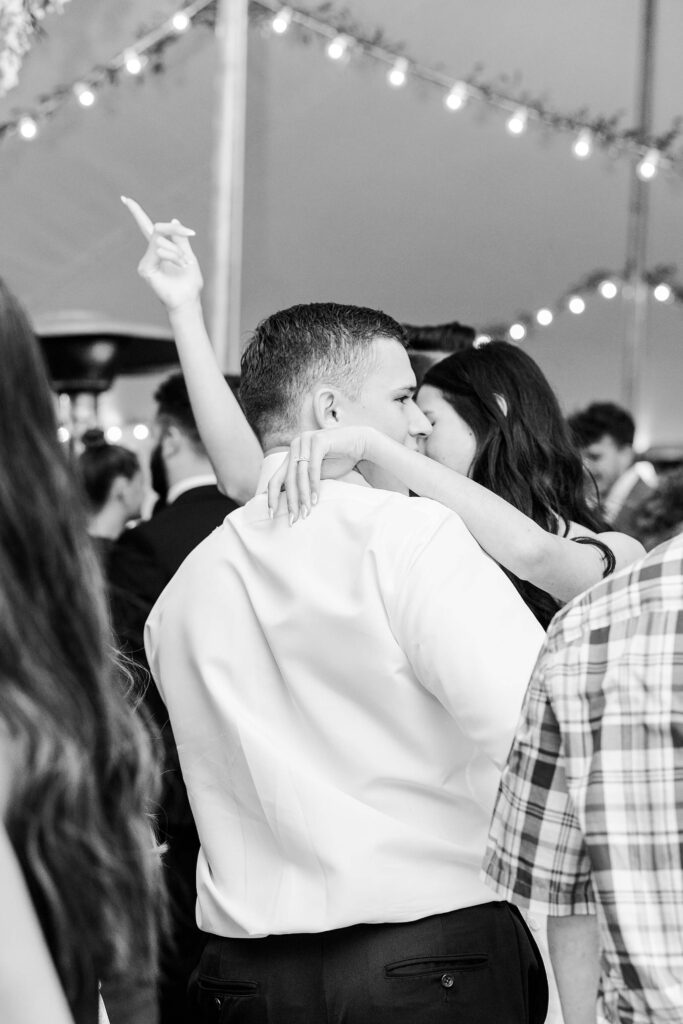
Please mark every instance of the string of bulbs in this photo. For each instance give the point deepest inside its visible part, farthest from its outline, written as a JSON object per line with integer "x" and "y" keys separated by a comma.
{"x": 607, "y": 286}
{"x": 341, "y": 45}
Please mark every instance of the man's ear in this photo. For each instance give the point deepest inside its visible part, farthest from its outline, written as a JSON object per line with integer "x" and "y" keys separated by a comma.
{"x": 326, "y": 408}
{"x": 171, "y": 441}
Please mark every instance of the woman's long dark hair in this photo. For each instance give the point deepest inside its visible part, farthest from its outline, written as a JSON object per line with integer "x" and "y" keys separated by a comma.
{"x": 524, "y": 450}
{"x": 83, "y": 770}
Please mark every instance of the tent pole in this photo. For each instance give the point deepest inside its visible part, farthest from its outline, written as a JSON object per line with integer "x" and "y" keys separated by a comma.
{"x": 636, "y": 254}
{"x": 228, "y": 182}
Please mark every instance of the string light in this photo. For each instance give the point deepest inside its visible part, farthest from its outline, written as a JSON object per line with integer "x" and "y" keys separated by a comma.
{"x": 113, "y": 434}
{"x": 140, "y": 432}
{"x": 583, "y": 145}
{"x": 517, "y": 123}
{"x": 647, "y": 168}
{"x": 63, "y": 435}
{"x": 282, "y": 20}
{"x": 457, "y": 97}
{"x": 338, "y": 47}
{"x": 180, "y": 22}
{"x": 608, "y": 289}
{"x": 663, "y": 292}
{"x": 544, "y": 317}
{"x": 517, "y": 332}
{"x": 576, "y": 305}
{"x": 398, "y": 73}
{"x": 84, "y": 94}
{"x": 27, "y": 128}
{"x": 481, "y": 339}
{"x": 133, "y": 62}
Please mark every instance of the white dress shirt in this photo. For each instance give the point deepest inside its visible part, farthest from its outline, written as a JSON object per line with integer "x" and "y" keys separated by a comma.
{"x": 340, "y": 692}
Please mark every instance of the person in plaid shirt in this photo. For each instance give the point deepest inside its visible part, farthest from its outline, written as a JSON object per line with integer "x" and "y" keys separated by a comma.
{"x": 588, "y": 825}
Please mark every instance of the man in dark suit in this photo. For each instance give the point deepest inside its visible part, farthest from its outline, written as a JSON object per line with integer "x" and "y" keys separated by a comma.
{"x": 145, "y": 558}
{"x": 604, "y": 432}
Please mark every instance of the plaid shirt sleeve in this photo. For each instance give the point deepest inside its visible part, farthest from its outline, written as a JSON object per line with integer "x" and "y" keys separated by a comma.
{"x": 536, "y": 854}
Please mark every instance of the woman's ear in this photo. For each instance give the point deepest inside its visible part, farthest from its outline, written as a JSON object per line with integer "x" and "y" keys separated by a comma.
{"x": 501, "y": 403}
{"x": 326, "y": 408}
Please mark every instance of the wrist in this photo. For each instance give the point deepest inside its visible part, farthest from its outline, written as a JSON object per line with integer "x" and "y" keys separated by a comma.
{"x": 188, "y": 308}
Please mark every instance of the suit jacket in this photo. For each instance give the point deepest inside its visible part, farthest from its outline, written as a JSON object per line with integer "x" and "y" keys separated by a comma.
{"x": 626, "y": 519}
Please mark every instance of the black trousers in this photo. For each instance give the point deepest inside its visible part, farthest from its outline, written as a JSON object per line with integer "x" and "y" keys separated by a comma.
{"x": 479, "y": 965}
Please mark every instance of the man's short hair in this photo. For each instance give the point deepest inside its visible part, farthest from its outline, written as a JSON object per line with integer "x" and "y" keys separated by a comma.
{"x": 600, "y": 419}
{"x": 174, "y": 408}
{"x": 291, "y": 351}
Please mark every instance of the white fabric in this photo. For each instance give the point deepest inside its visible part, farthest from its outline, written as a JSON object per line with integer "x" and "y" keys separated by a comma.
{"x": 339, "y": 692}
{"x": 189, "y": 484}
{"x": 622, "y": 487}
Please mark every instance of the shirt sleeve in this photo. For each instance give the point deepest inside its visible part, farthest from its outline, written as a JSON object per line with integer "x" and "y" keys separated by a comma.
{"x": 536, "y": 854}
{"x": 468, "y": 635}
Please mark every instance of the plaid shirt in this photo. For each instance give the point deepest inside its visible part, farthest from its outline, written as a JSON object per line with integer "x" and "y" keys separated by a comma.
{"x": 589, "y": 815}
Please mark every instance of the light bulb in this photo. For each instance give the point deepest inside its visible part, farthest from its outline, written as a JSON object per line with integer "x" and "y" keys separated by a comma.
{"x": 398, "y": 74}
{"x": 481, "y": 339}
{"x": 180, "y": 21}
{"x": 63, "y": 434}
{"x": 608, "y": 289}
{"x": 517, "y": 332}
{"x": 113, "y": 434}
{"x": 457, "y": 97}
{"x": 27, "y": 128}
{"x": 544, "y": 317}
{"x": 84, "y": 94}
{"x": 576, "y": 304}
{"x": 282, "y": 20}
{"x": 517, "y": 123}
{"x": 583, "y": 145}
{"x": 663, "y": 292}
{"x": 647, "y": 168}
{"x": 133, "y": 62}
{"x": 338, "y": 47}
{"x": 140, "y": 431}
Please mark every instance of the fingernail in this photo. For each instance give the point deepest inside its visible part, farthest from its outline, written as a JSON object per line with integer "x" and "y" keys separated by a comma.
{"x": 125, "y": 200}
{"x": 271, "y": 512}
{"x": 304, "y": 511}
{"x": 291, "y": 519}
{"x": 314, "y": 499}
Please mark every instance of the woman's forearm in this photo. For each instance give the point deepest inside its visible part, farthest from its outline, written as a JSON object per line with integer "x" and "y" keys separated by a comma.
{"x": 512, "y": 539}
{"x": 229, "y": 440}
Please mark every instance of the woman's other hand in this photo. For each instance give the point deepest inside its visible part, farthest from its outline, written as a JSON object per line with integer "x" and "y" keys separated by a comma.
{"x": 169, "y": 265}
{"x": 314, "y": 454}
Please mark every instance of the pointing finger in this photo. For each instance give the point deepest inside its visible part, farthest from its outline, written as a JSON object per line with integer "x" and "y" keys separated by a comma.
{"x": 140, "y": 217}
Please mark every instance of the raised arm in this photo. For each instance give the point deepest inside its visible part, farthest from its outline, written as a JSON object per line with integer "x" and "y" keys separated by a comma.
{"x": 171, "y": 270}
{"x": 555, "y": 564}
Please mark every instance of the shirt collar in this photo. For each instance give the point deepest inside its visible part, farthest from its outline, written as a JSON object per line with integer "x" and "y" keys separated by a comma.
{"x": 274, "y": 460}
{"x": 188, "y": 484}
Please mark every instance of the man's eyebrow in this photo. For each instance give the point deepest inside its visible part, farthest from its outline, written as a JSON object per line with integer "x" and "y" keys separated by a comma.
{"x": 409, "y": 389}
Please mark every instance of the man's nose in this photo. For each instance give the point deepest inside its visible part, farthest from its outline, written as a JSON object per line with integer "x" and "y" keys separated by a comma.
{"x": 419, "y": 424}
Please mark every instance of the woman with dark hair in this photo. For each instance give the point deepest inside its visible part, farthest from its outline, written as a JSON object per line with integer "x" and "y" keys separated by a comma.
{"x": 499, "y": 452}
{"x": 79, "y": 865}
{"x": 113, "y": 486}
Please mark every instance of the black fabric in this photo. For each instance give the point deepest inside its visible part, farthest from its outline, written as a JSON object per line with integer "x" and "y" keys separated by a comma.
{"x": 139, "y": 566}
{"x": 474, "y": 966}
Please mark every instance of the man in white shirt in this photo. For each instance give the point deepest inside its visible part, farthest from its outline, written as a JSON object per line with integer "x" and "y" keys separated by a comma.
{"x": 342, "y": 695}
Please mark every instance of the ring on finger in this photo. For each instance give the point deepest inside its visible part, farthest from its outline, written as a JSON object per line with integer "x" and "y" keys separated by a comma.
{"x": 303, "y": 458}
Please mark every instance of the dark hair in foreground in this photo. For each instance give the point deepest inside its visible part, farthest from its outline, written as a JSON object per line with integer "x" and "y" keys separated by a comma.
{"x": 524, "y": 451}
{"x": 99, "y": 465}
{"x": 291, "y": 350}
{"x": 601, "y": 418}
{"x": 81, "y": 763}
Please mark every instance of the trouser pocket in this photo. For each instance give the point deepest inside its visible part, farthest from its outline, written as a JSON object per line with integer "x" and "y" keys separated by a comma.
{"x": 229, "y": 1001}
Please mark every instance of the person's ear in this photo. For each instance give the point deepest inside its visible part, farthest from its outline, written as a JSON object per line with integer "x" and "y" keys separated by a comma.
{"x": 326, "y": 408}
{"x": 118, "y": 491}
{"x": 502, "y": 404}
{"x": 171, "y": 441}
